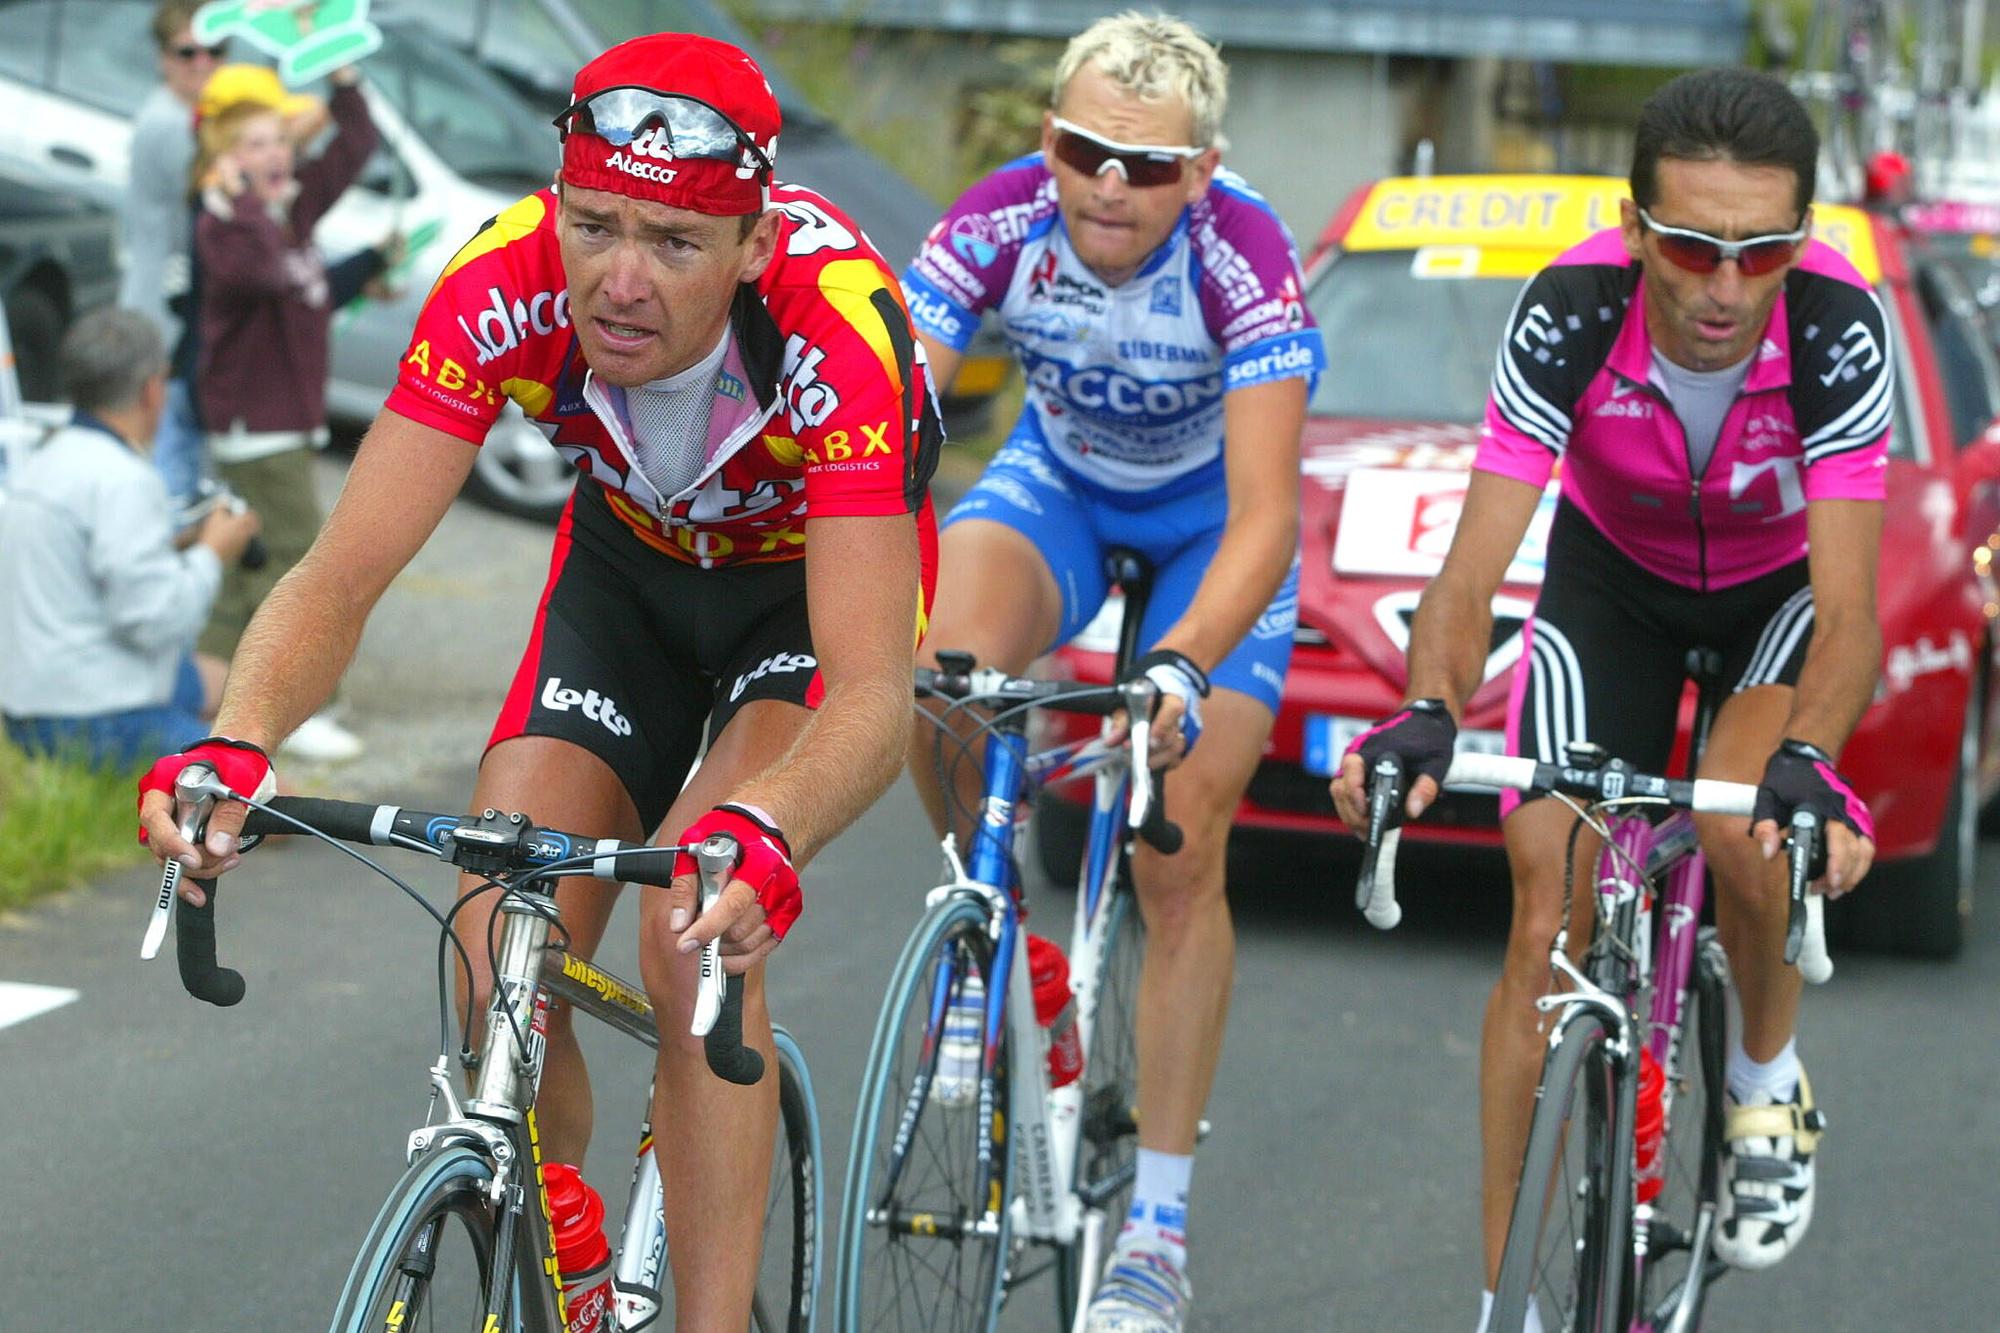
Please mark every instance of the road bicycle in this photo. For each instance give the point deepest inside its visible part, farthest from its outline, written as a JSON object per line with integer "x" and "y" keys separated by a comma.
{"x": 1622, "y": 1175}
{"x": 944, "y": 1197}
{"x": 464, "y": 1239}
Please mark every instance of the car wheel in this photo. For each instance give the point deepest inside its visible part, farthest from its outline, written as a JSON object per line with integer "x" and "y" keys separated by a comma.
{"x": 1061, "y": 828}
{"x": 35, "y": 323}
{"x": 517, "y": 471}
{"x": 1920, "y": 906}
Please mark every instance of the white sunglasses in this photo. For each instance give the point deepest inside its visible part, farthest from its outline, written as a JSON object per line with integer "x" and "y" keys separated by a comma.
{"x": 1141, "y": 165}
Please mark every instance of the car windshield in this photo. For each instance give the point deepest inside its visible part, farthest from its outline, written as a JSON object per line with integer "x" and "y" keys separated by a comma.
{"x": 475, "y": 123}
{"x": 1404, "y": 348}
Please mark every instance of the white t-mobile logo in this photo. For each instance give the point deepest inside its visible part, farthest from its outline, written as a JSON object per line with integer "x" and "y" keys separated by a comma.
{"x": 1791, "y": 486}
{"x": 558, "y": 698}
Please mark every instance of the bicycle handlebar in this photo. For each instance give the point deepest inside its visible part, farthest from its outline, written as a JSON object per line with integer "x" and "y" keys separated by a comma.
{"x": 489, "y": 843}
{"x": 1146, "y": 815}
{"x": 1375, "y": 888}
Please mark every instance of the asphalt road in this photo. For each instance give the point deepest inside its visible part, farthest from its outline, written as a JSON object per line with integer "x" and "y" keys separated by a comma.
{"x": 169, "y": 1166}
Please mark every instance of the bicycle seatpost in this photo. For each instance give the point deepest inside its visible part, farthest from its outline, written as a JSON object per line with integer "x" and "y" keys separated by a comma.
{"x": 718, "y": 1003}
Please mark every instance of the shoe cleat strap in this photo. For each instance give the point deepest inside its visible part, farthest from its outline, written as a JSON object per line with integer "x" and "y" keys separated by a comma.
{"x": 1784, "y": 1120}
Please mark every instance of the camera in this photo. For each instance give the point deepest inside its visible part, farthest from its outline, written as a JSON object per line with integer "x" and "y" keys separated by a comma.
{"x": 210, "y": 495}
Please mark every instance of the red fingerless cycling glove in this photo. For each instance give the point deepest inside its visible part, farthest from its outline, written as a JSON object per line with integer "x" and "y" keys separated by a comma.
{"x": 243, "y": 767}
{"x": 765, "y": 862}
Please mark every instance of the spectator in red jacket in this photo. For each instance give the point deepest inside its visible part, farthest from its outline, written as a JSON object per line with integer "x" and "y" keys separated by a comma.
{"x": 265, "y": 321}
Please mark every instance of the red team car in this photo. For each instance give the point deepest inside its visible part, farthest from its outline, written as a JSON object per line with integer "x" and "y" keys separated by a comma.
{"x": 1411, "y": 284}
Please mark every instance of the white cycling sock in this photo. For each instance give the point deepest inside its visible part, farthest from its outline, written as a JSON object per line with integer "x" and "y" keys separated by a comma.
{"x": 1532, "y": 1324}
{"x": 1777, "y": 1078}
{"x": 1159, "y": 1202}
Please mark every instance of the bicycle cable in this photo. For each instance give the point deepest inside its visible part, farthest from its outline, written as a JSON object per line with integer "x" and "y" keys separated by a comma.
{"x": 948, "y": 771}
{"x": 444, "y": 921}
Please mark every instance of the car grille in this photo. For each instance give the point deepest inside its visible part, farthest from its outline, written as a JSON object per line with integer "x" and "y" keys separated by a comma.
{"x": 1289, "y": 787}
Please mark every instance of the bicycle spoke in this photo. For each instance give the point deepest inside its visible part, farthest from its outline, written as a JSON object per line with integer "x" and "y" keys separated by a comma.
{"x": 918, "y": 1244}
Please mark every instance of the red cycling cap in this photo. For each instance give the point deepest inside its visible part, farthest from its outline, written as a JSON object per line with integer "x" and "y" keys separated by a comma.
{"x": 678, "y": 65}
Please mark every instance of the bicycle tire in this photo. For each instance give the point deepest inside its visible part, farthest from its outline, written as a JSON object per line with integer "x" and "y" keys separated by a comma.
{"x": 441, "y": 1187}
{"x": 1108, "y": 1138}
{"x": 788, "y": 1279}
{"x": 887, "y": 1272}
{"x": 1677, "y": 1258}
{"x": 1568, "y": 1239}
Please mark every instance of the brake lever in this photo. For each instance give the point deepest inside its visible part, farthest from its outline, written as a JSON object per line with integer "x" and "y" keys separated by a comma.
{"x": 715, "y": 857}
{"x": 196, "y": 790}
{"x": 1375, "y": 885}
{"x": 1139, "y": 698}
{"x": 1805, "y": 925}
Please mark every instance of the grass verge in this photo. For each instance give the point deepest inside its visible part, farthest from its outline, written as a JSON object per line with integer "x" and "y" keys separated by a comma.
{"x": 60, "y": 824}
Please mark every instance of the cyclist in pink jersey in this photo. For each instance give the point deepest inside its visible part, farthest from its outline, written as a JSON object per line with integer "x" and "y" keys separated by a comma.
{"x": 1718, "y": 387}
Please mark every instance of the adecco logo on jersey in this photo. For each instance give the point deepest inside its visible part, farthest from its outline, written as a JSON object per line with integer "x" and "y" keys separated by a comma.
{"x": 500, "y": 327}
{"x": 1097, "y": 389}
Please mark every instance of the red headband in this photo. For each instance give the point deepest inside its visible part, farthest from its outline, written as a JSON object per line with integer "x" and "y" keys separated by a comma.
{"x": 700, "y": 67}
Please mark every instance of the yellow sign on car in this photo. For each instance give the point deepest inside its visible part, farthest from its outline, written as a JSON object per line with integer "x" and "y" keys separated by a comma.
{"x": 1449, "y": 220}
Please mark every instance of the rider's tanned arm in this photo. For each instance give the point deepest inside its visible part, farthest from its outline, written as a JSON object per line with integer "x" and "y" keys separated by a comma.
{"x": 861, "y": 588}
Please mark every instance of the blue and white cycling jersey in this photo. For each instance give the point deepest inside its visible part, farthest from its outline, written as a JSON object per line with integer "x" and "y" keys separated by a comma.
{"x": 1127, "y": 382}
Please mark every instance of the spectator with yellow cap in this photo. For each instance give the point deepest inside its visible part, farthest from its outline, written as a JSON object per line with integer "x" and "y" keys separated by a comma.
{"x": 265, "y": 319}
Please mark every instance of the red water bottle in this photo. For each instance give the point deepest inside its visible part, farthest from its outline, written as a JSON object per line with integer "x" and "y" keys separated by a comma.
{"x": 1649, "y": 1128}
{"x": 1055, "y": 1009}
{"x": 583, "y": 1256}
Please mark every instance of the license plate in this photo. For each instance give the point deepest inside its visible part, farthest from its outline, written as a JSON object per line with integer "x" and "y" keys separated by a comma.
{"x": 1328, "y": 735}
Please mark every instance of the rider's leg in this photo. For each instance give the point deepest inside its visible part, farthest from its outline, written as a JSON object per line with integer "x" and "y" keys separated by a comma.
{"x": 713, "y": 1139}
{"x": 1770, "y": 1123}
{"x": 998, "y": 601}
{"x": 1751, "y": 908}
{"x": 1515, "y": 1033}
{"x": 1190, "y": 954}
{"x": 562, "y": 786}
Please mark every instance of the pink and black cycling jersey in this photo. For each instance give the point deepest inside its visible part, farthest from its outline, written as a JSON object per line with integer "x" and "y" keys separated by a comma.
{"x": 1574, "y": 380}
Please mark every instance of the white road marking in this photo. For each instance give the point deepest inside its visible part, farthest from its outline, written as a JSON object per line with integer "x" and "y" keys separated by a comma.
{"x": 20, "y": 1001}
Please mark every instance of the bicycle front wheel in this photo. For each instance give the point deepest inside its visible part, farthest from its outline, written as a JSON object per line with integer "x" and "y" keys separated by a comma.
{"x": 788, "y": 1278}
{"x": 1569, "y": 1237}
{"x": 1108, "y": 1145}
{"x": 924, "y": 1227}
{"x": 1683, "y": 1218}
{"x": 428, "y": 1260}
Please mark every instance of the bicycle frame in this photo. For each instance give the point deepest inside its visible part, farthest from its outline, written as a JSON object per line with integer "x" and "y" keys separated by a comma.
{"x": 1046, "y": 1122}
{"x": 1619, "y": 964}
{"x": 500, "y": 1118}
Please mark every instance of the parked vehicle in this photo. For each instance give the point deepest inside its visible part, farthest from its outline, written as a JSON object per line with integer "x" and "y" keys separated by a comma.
{"x": 1412, "y": 283}
{"x": 465, "y": 132}
{"x": 58, "y": 256}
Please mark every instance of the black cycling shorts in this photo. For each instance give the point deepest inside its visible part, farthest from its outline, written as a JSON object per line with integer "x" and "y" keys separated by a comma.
{"x": 1606, "y": 650}
{"x": 633, "y": 651}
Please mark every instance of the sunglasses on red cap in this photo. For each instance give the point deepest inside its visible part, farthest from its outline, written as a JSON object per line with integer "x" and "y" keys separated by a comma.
{"x": 1142, "y": 165}
{"x": 1699, "y": 252}
{"x": 693, "y": 128}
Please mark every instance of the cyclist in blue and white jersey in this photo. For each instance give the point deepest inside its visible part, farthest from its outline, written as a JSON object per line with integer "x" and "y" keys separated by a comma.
{"x": 1153, "y": 301}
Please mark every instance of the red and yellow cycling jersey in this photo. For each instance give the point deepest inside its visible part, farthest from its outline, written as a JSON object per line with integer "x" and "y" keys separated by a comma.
{"x": 823, "y": 404}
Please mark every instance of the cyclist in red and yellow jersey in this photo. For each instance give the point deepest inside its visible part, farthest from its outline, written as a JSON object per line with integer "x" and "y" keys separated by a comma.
{"x": 748, "y": 558}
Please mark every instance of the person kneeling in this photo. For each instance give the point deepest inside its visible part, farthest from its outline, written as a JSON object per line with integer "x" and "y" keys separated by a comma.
{"x": 98, "y": 608}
